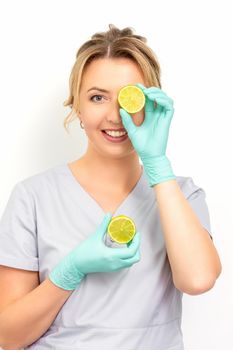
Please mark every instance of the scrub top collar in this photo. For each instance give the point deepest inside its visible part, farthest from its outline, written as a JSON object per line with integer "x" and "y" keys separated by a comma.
{"x": 139, "y": 192}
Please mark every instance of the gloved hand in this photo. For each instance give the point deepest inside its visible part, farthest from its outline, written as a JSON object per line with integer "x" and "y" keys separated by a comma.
{"x": 92, "y": 255}
{"x": 150, "y": 138}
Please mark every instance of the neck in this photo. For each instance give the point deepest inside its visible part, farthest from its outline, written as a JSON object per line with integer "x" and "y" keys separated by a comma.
{"x": 121, "y": 173}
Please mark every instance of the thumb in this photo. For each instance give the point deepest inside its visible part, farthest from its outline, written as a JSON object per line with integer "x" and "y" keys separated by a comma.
{"x": 104, "y": 225}
{"x": 128, "y": 122}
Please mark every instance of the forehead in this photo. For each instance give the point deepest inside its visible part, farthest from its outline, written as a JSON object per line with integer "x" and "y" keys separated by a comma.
{"x": 107, "y": 73}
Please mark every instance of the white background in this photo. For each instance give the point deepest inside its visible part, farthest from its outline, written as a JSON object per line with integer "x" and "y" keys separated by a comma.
{"x": 193, "y": 42}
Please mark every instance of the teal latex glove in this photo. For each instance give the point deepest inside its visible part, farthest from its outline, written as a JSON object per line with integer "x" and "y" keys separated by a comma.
{"x": 150, "y": 138}
{"x": 92, "y": 255}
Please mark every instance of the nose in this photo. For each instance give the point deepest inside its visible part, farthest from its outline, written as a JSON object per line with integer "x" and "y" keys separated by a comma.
{"x": 113, "y": 115}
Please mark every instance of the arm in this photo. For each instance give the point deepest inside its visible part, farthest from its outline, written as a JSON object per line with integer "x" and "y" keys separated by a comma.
{"x": 193, "y": 258}
{"x": 31, "y": 315}
{"x": 25, "y": 320}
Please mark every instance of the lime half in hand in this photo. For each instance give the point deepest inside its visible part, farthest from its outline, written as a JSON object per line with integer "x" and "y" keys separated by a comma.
{"x": 121, "y": 229}
{"x": 131, "y": 98}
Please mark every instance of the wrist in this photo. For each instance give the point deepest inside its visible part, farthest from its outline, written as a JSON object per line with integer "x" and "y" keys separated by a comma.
{"x": 158, "y": 169}
{"x": 65, "y": 275}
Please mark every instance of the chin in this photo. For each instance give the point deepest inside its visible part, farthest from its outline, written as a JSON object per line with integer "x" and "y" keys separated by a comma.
{"x": 117, "y": 154}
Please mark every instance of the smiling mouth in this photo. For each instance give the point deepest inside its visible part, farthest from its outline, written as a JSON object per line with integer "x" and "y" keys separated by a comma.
{"x": 115, "y": 137}
{"x": 115, "y": 133}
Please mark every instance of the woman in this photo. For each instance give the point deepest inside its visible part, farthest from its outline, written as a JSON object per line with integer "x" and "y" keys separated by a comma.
{"x": 61, "y": 287}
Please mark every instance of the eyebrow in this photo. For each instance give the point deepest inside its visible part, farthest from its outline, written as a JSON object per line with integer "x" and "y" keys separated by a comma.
{"x": 97, "y": 88}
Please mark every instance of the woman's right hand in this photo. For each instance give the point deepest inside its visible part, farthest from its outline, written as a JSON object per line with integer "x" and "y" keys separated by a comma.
{"x": 92, "y": 255}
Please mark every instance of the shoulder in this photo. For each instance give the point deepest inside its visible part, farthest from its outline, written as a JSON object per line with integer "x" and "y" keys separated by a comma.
{"x": 42, "y": 180}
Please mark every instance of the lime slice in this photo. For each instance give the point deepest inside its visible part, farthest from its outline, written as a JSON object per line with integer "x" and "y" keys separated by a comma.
{"x": 121, "y": 229}
{"x": 131, "y": 98}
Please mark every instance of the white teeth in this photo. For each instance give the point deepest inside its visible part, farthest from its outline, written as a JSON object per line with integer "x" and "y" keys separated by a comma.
{"x": 116, "y": 133}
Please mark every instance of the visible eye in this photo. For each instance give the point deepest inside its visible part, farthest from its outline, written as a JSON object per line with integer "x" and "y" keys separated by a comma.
{"x": 95, "y": 96}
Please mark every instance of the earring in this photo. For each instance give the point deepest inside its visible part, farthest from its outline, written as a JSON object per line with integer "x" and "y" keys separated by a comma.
{"x": 81, "y": 125}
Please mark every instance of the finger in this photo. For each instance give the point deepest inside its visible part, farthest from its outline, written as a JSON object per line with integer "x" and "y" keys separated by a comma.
{"x": 148, "y": 90}
{"x": 130, "y": 251}
{"x": 104, "y": 224}
{"x": 152, "y": 117}
{"x": 128, "y": 122}
{"x": 164, "y": 102}
{"x": 141, "y": 86}
{"x": 153, "y": 90}
{"x": 150, "y": 105}
{"x": 168, "y": 115}
{"x": 157, "y": 91}
{"x": 135, "y": 259}
{"x": 154, "y": 96}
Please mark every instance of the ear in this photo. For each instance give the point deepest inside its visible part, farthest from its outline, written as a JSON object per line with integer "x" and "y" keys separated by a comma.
{"x": 78, "y": 113}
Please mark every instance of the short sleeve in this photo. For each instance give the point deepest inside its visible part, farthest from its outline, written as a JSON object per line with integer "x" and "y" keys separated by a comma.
{"x": 18, "y": 238}
{"x": 196, "y": 197}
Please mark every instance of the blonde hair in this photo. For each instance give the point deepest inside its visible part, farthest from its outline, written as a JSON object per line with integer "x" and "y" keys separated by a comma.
{"x": 113, "y": 43}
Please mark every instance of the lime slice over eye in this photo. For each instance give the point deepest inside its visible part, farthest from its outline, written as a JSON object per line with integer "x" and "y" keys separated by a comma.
{"x": 121, "y": 229}
{"x": 131, "y": 98}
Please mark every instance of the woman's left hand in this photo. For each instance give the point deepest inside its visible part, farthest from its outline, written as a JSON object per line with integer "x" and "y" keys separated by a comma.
{"x": 150, "y": 138}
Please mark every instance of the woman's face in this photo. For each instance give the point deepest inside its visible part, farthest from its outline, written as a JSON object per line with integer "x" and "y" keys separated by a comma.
{"x": 99, "y": 110}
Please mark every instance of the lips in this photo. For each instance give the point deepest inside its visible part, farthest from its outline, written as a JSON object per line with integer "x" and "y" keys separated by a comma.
{"x": 114, "y": 130}
{"x": 114, "y": 139}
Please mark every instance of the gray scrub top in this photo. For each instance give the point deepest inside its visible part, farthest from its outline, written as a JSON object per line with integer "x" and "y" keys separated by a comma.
{"x": 134, "y": 308}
